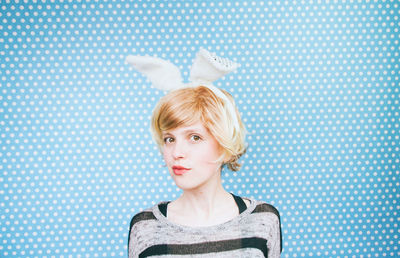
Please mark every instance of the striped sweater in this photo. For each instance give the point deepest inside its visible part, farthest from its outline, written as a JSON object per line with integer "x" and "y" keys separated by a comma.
{"x": 255, "y": 232}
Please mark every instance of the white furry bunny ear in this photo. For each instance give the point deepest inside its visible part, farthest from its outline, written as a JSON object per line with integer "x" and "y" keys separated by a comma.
{"x": 208, "y": 67}
{"x": 162, "y": 74}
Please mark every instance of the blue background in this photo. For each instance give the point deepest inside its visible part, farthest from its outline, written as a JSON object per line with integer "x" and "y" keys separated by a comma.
{"x": 318, "y": 89}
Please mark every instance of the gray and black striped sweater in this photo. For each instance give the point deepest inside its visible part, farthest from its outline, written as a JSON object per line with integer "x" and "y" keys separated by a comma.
{"x": 255, "y": 232}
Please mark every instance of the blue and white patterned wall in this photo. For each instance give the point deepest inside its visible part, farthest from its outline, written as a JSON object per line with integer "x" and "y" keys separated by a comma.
{"x": 318, "y": 89}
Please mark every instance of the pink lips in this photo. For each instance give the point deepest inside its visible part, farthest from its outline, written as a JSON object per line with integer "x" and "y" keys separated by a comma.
{"x": 179, "y": 170}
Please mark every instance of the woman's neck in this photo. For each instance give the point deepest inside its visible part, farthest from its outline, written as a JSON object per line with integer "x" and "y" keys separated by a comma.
{"x": 203, "y": 207}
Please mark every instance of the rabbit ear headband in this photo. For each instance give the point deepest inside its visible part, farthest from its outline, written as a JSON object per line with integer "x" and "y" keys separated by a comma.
{"x": 207, "y": 67}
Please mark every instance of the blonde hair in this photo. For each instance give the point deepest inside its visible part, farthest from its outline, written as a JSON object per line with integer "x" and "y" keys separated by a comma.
{"x": 189, "y": 105}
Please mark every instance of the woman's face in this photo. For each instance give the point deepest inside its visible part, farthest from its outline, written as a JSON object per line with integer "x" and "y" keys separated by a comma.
{"x": 191, "y": 154}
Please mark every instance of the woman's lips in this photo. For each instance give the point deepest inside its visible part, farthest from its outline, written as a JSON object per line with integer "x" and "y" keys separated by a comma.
{"x": 179, "y": 170}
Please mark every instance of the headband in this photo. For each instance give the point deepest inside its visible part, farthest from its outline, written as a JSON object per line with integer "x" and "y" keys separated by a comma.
{"x": 206, "y": 68}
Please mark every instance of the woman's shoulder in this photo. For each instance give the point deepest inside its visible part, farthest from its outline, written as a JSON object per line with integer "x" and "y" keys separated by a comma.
{"x": 142, "y": 219}
{"x": 145, "y": 215}
{"x": 142, "y": 215}
{"x": 266, "y": 207}
{"x": 259, "y": 206}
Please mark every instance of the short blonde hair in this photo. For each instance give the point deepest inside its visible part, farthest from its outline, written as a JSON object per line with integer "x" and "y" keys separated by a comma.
{"x": 189, "y": 105}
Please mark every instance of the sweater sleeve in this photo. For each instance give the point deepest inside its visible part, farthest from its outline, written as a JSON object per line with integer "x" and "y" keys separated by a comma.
{"x": 132, "y": 241}
{"x": 274, "y": 243}
{"x": 271, "y": 220}
{"x": 139, "y": 227}
{"x": 132, "y": 253}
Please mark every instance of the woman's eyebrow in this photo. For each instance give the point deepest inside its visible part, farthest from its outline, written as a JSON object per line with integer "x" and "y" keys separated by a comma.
{"x": 166, "y": 134}
{"x": 193, "y": 130}
{"x": 186, "y": 131}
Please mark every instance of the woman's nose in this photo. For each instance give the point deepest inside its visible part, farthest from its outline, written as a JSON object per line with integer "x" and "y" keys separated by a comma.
{"x": 179, "y": 151}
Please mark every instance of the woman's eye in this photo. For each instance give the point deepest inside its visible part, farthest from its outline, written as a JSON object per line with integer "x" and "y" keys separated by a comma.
{"x": 195, "y": 138}
{"x": 168, "y": 139}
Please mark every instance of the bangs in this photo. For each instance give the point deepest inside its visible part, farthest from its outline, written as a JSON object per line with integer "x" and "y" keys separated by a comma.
{"x": 179, "y": 113}
{"x": 182, "y": 107}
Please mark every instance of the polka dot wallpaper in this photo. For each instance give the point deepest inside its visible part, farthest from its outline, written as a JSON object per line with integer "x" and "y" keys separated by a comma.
{"x": 318, "y": 89}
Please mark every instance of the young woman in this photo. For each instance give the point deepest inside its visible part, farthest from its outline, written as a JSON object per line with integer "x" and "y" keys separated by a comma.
{"x": 199, "y": 131}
